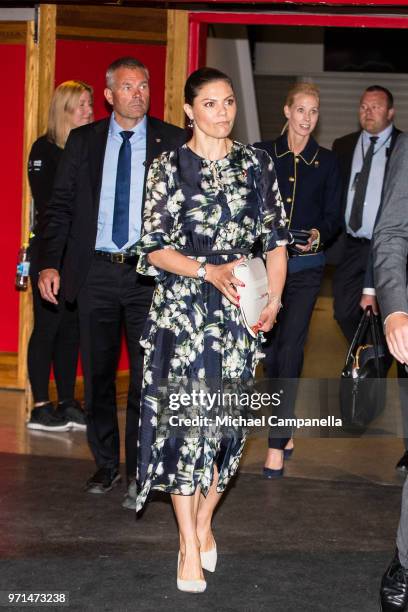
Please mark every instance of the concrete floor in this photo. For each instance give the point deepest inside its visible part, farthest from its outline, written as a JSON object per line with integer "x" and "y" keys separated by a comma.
{"x": 295, "y": 545}
{"x": 368, "y": 458}
{"x": 316, "y": 540}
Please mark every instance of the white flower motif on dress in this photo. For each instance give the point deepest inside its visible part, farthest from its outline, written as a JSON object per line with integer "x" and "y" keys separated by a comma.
{"x": 193, "y": 332}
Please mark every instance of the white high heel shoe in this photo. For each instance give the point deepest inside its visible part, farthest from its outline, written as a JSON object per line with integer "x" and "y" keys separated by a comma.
{"x": 209, "y": 559}
{"x": 190, "y": 586}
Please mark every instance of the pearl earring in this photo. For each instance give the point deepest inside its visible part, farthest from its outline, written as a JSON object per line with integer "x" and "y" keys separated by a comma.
{"x": 190, "y": 123}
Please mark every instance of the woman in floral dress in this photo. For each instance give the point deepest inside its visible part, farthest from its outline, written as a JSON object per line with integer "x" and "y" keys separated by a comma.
{"x": 206, "y": 204}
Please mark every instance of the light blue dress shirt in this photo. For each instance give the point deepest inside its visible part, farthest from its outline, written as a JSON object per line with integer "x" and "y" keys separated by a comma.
{"x": 375, "y": 180}
{"x": 107, "y": 200}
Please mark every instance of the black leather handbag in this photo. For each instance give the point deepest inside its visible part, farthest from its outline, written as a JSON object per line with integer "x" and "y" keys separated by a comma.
{"x": 363, "y": 379}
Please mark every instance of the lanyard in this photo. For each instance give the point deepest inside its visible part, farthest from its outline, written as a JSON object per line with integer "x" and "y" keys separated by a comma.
{"x": 374, "y": 152}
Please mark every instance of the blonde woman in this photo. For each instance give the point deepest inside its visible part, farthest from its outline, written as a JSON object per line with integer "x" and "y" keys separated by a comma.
{"x": 55, "y": 337}
{"x": 310, "y": 185}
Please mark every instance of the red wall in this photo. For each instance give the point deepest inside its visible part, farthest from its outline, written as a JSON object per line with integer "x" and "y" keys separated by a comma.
{"x": 84, "y": 60}
{"x": 12, "y": 67}
{"x": 88, "y": 60}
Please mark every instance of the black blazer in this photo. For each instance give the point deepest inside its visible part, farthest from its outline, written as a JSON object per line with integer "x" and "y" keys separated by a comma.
{"x": 344, "y": 149}
{"x": 309, "y": 183}
{"x": 69, "y": 224}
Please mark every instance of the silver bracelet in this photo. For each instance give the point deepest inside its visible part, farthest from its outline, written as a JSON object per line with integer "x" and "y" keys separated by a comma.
{"x": 274, "y": 299}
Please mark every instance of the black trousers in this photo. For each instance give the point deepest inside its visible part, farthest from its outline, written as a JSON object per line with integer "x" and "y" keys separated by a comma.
{"x": 284, "y": 349}
{"x": 348, "y": 284}
{"x": 114, "y": 298}
{"x": 54, "y": 341}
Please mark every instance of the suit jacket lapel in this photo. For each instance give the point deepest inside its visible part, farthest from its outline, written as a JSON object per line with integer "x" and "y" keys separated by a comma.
{"x": 347, "y": 154}
{"x": 97, "y": 147}
{"x": 153, "y": 143}
{"x": 353, "y": 143}
{"x": 394, "y": 135}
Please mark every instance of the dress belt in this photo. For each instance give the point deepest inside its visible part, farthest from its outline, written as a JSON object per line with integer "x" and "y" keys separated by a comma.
{"x": 207, "y": 252}
{"x": 119, "y": 258}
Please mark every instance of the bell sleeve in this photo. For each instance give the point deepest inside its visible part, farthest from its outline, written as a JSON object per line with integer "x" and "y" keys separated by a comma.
{"x": 273, "y": 219}
{"x": 158, "y": 216}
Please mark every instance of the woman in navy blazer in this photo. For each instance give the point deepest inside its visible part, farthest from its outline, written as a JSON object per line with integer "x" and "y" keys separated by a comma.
{"x": 310, "y": 186}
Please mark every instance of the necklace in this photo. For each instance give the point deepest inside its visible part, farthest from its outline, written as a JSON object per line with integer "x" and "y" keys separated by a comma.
{"x": 228, "y": 147}
{"x": 216, "y": 172}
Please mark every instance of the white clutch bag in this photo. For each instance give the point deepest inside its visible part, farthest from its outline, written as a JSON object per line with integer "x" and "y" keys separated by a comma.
{"x": 254, "y": 296}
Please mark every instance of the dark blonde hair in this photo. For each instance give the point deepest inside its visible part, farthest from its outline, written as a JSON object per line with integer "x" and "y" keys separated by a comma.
{"x": 307, "y": 89}
{"x": 63, "y": 104}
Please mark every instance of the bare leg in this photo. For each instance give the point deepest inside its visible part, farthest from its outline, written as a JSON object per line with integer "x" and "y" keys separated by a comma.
{"x": 184, "y": 508}
{"x": 205, "y": 513}
{"x": 274, "y": 459}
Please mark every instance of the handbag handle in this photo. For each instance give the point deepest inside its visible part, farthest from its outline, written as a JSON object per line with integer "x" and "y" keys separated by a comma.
{"x": 359, "y": 335}
{"x": 375, "y": 333}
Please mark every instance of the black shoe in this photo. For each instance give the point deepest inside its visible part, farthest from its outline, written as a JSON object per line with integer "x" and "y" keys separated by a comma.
{"x": 271, "y": 474}
{"x": 402, "y": 465}
{"x": 103, "y": 481}
{"x": 394, "y": 587}
{"x": 287, "y": 453}
{"x": 45, "y": 418}
{"x": 73, "y": 413}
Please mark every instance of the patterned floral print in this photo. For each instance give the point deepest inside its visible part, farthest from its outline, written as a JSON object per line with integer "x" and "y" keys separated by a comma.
{"x": 193, "y": 332}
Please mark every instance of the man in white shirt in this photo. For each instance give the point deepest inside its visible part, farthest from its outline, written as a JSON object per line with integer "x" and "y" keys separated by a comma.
{"x": 93, "y": 223}
{"x": 363, "y": 159}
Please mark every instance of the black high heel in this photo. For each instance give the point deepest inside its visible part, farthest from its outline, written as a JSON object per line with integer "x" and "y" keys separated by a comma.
{"x": 271, "y": 474}
{"x": 287, "y": 453}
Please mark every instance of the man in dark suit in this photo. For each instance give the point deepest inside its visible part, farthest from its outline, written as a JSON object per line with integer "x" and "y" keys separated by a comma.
{"x": 93, "y": 223}
{"x": 364, "y": 159}
{"x": 353, "y": 284}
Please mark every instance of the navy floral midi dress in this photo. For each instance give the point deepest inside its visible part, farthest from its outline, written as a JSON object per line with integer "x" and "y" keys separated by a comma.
{"x": 199, "y": 207}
